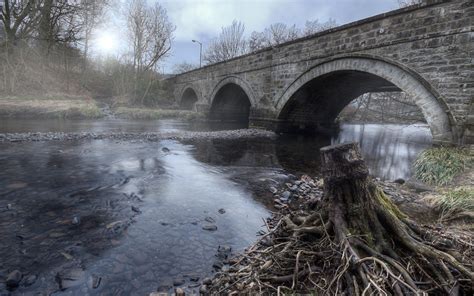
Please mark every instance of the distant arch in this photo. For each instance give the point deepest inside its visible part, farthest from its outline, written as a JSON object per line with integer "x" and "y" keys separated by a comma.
{"x": 231, "y": 100}
{"x": 188, "y": 99}
{"x": 336, "y": 82}
{"x": 237, "y": 81}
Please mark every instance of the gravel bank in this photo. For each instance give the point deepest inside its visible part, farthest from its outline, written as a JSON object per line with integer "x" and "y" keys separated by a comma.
{"x": 147, "y": 136}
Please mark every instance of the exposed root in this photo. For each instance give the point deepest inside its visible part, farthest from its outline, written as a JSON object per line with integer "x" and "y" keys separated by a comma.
{"x": 333, "y": 250}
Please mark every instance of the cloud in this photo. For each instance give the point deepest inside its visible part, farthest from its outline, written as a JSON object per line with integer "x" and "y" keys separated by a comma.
{"x": 205, "y": 18}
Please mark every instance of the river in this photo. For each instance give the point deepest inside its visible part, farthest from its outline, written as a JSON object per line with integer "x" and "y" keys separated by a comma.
{"x": 106, "y": 217}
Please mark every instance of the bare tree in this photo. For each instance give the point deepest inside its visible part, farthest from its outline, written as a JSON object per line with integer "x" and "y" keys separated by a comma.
{"x": 313, "y": 27}
{"x": 19, "y": 19}
{"x": 275, "y": 34}
{"x": 184, "y": 67}
{"x": 230, "y": 43}
{"x": 92, "y": 12}
{"x": 150, "y": 33}
{"x": 405, "y": 3}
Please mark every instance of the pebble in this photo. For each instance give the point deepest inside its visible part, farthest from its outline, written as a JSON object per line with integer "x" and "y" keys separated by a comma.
{"x": 164, "y": 149}
{"x": 9, "y": 207}
{"x": 285, "y": 195}
{"x": 273, "y": 190}
{"x": 13, "y": 278}
{"x": 210, "y": 227}
{"x": 221, "y": 211}
{"x": 203, "y": 289}
{"x": 136, "y": 209}
{"x": 207, "y": 281}
{"x": 209, "y": 219}
{"x": 76, "y": 220}
{"x": 179, "y": 292}
{"x": 178, "y": 282}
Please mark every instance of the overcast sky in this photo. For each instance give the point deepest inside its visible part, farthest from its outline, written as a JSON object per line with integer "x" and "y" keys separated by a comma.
{"x": 203, "y": 19}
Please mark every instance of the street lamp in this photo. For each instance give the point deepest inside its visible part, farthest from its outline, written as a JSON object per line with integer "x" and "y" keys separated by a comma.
{"x": 200, "y": 51}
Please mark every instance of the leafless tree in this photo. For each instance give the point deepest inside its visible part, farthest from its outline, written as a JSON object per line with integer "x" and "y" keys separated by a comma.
{"x": 230, "y": 43}
{"x": 312, "y": 27}
{"x": 275, "y": 34}
{"x": 184, "y": 67}
{"x": 92, "y": 12}
{"x": 405, "y": 3}
{"x": 150, "y": 33}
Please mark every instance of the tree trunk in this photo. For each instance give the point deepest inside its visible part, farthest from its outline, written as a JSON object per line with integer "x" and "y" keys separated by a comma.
{"x": 375, "y": 235}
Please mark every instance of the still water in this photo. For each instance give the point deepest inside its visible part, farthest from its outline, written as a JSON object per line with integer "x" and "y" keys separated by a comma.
{"x": 107, "y": 217}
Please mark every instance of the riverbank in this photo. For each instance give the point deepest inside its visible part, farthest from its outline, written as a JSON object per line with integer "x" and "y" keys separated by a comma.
{"x": 281, "y": 263}
{"x": 49, "y": 106}
{"x": 54, "y": 106}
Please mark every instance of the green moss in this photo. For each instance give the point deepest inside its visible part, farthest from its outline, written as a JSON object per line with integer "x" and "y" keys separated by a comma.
{"x": 438, "y": 166}
{"x": 388, "y": 204}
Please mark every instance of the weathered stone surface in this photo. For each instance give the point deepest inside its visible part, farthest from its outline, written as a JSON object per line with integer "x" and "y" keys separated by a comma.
{"x": 425, "y": 50}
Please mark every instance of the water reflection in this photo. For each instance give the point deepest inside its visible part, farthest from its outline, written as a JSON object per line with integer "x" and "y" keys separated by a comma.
{"x": 389, "y": 149}
{"x": 132, "y": 213}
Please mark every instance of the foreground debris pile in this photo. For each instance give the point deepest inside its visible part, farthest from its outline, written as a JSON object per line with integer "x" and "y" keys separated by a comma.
{"x": 329, "y": 238}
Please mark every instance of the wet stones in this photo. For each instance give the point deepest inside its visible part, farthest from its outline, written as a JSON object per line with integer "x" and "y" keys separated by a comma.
{"x": 210, "y": 227}
{"x": 70, "y": 278}
{"x": 13, "y": 279}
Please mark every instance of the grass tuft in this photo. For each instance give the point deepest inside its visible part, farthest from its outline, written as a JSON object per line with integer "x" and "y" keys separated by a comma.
{"x": 439, "y": 165}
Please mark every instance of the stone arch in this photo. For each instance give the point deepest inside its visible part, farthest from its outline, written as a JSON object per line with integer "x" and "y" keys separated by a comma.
{"x": 380, "y": 73}
{"x": 188, "y": 93}
{"x": 231, "y": 100}
{"x": 237, "y": 81}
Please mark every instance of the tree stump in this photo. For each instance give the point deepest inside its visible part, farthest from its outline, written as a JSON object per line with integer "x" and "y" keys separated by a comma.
{"x": 383, "y": 250}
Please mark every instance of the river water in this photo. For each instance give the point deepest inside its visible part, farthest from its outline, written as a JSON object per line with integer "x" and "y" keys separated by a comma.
{"x": 106, "y": 217}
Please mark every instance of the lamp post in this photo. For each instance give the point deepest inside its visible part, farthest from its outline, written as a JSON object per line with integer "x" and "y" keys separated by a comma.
{"x": 200, "y": 51}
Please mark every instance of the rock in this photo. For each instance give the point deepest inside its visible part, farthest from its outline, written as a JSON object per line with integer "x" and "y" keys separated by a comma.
{"x": 217, "y": 265}
{"x": 9, "y": 207}
{"x": 221, "y": 211}
{"x": 203, "y": 289}
{"x": 273, "y": 190}
{"x": 418, "y": 187}
{"x": 13, "y": 279}
{"x": 209, "y": 219}
{"x": 399, "y": 181}
{"x": 136, "y": 209}
{"x": 70, "y": 278}
{"x": 210, "y": 227}
{"x": 29, "y": 280}
{"x": 164, "y": 149}
{"x": 178, "y": 282}
{"x": 294, "y": 188}
{"x": 207, "y": 281}
{"x": 76, "y": 220}
{"x": 194, "y": 278}
{"x": 94, "y": 281}
{"x": 285, "y": 195}
{"x": 298, "y": 182}
{"x": 179, "y": 292}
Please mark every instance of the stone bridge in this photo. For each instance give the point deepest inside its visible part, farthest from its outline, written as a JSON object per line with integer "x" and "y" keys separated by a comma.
{"x": 426, "y": 51}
